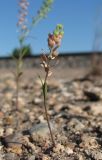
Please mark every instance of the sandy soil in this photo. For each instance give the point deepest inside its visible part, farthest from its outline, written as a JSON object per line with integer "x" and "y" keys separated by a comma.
{"x": 74, "y": 106}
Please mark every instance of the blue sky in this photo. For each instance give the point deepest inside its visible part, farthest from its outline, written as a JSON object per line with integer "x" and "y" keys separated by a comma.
{"x": 77, "y": 16}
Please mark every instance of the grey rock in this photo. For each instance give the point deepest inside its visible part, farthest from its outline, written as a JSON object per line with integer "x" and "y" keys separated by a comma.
{"x": 13, "y": 139}
{"x": 32, "y": 157}
{"x": 41, "y": 129}
{"x": 76, "y": 125}
{"x": 11, "y": 156}
{"x": 95, "y": 154}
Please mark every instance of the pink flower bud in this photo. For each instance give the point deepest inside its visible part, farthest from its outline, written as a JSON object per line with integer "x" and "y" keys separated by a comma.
{"x": 51, "y": 43}
{"x": 60, "y": 36}
{"x": 51, "y": 36}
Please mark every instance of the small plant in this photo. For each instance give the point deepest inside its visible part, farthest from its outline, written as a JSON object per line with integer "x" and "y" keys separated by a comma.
{"x": 54, "y": 42}
{"x": 23, "y": 11}
{"x": 24, "y": 31}
{"x": 18, "y": 72}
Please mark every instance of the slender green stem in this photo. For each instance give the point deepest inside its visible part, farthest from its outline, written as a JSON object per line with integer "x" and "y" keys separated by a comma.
{"x": 17, "y": 92}
{"x": 18, "y": 70}
{"x": 46, "y": 113}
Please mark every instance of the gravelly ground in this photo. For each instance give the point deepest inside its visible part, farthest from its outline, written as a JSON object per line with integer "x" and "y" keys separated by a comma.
{"x": 75, "y": 110}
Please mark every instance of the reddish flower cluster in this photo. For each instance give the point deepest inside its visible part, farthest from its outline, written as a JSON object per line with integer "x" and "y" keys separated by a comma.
{"x": 54, "y": 41}
{"x": 55, "y": 38}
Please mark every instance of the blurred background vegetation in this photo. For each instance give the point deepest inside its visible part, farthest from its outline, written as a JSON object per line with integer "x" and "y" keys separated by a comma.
{"x": 27, "y": 49}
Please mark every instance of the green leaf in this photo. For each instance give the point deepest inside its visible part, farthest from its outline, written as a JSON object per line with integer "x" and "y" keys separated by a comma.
{"x": 41, "y": 80}
{"x": 20, "y": 74}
